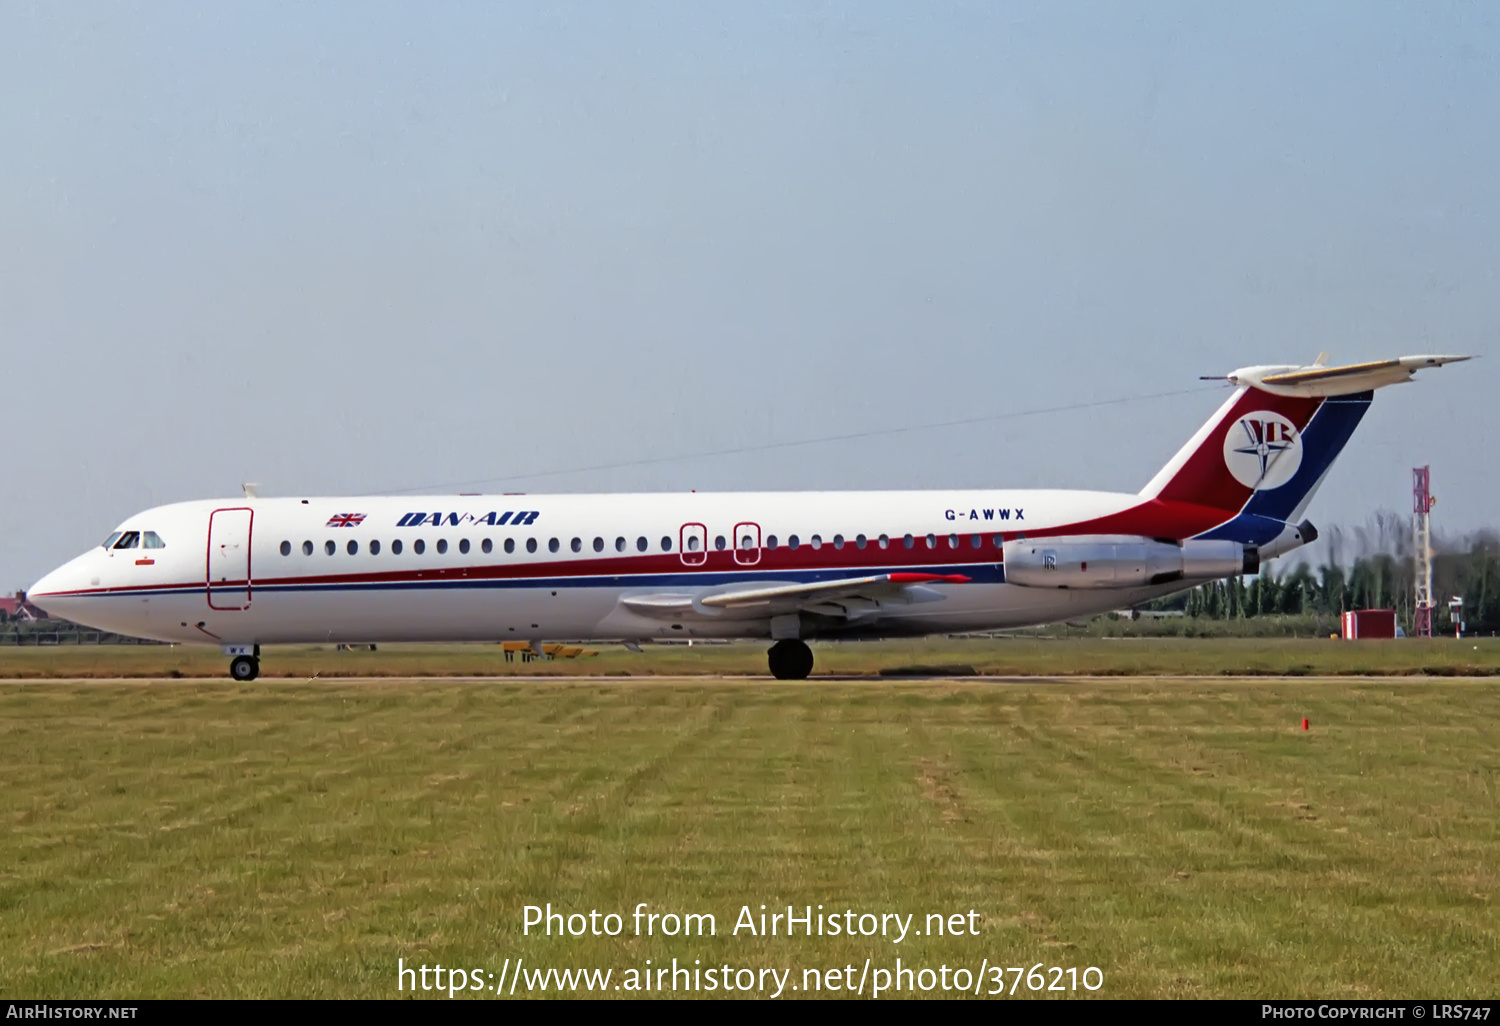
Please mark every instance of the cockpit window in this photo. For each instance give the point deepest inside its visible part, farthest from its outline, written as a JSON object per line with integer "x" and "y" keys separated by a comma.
{"x": 129, "y": 540}
{"x": 152, "y": 540}
{"x": 110, "y": 541}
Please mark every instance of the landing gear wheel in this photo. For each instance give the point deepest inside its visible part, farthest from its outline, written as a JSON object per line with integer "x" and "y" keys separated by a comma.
{"x": 790, "y": 660}
{"x": 244, "y": 668}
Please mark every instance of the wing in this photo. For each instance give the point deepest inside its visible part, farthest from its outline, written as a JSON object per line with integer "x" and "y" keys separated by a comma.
{"x": 847, "y": 597}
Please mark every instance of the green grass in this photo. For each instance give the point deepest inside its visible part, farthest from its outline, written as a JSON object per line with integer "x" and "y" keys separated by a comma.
{"x": 1019, "y": 656}
{"x": 287, "y": 839}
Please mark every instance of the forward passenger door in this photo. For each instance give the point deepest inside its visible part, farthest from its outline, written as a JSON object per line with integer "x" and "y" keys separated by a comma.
{"x": 228, "y": 570}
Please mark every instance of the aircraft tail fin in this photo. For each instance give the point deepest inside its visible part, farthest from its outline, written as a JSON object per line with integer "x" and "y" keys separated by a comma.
{"x": 1265, "y": 451}
{"x": 1260, "y": 450}
{"x": 1280, "y": 499}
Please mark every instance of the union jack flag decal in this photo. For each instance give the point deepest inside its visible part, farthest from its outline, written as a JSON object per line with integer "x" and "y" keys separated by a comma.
{"x": 347, "y": 520}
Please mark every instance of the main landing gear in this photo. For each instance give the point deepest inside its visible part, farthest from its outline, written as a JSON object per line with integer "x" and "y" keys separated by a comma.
{"x": 790, "y": 660}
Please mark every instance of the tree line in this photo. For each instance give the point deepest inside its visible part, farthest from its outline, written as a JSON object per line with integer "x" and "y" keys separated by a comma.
{"x": 1372, "y": 567}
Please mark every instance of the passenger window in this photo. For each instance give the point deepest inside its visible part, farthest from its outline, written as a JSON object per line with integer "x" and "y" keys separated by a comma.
{"x": 152, "y": 540}
{"x": 692, "y": 543}
{"x": 396, "y": 547}
{"x": 641, "y": 545}
{"x": 286, "y": 548}
{"x": 530, "y": 544}
{"x": 666, "y": 544}
{"x": 577, "y": 545}
{"x": 330, "y": 546}
{"x": 999, "y": 541}
{"x": 838, "y": 541}
{"x": 110, "y": 541}
{"x": 932, "y": 541}
{"x": 792, "y": 542}
{"x": 619, "y": 544}
{"x": 463, "y": 546}
{"x": 720, "y": 543}
{"x": 747, "y": 542}
{"x": 129, "y": 540}
{"x": 375, "y": 547}
{"x": 442, "y": 546}
{"x": 859, "y": 541}
{"x": 307, "y": 548}
{"x": 885, "y": 542}
{"x": 953, "y": 541}
{"x": 353, "y": 547}
{"x": 976, "y": 541}
{"x": 817, "y": 541}
{"x": 510, "y": 545}
{"x": 487, "y": 546}
{"x": 553, "y": 546}
{"x": 598, "y": 544}
{"x": 770, "y": 541}
{"x": 908, "y": 541}
{"x": 419, "y": 546}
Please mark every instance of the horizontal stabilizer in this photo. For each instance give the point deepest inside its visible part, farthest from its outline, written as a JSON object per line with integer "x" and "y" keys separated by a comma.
{"x": 1316, "y": 381}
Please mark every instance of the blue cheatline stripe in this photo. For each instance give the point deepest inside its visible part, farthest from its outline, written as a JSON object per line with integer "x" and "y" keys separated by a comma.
{"x": 1265, "y": 515}
{"x": 978, "y": 573}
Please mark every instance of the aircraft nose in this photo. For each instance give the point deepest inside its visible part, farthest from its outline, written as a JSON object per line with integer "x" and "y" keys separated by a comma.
{"x": 56, "y": 593}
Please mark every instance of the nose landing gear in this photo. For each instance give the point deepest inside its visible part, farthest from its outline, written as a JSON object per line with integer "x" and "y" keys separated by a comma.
{"x": 245, "y": 666}
{"x": 790, "y": 660}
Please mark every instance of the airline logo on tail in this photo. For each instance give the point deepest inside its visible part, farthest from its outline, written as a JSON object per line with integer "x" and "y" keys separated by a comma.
{"x": 1263, "y": 450}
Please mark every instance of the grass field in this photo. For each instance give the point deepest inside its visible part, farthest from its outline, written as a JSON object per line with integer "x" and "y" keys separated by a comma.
{"x": 1004, "y": 657}
{"x": 1187, "y": 838}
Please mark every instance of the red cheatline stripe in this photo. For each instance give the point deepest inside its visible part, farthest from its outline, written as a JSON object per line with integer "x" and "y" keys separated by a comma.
{"x": 545, "y": 571}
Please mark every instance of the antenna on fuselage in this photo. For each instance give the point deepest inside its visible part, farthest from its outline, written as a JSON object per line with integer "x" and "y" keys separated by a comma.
{"x": 250, "y": 490}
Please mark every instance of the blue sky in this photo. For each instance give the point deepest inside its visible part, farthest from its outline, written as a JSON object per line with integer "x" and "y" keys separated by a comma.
{"x": 349, "y": 247}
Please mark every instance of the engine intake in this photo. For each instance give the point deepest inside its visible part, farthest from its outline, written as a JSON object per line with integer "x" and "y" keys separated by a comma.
{"x": 1122, "y": 561}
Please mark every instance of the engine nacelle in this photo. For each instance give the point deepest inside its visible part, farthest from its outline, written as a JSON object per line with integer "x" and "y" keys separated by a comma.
{"x": 1122, "y": 561}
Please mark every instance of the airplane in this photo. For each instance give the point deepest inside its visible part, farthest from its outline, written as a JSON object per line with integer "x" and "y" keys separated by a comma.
{"x": 787, "y": 567}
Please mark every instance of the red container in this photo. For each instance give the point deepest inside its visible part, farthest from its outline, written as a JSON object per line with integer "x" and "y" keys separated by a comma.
{"x": 1369, "y": 623}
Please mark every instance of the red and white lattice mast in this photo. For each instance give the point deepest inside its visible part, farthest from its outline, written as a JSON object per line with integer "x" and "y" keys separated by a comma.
{"x": 1422, "y": 503}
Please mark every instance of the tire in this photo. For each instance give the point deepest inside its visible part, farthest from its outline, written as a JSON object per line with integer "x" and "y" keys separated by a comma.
{"x": 244, "y": 668}
{"x": 790, "y": 660}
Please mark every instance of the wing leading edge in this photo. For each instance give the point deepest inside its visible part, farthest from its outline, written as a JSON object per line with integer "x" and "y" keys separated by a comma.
{"x": 847, "y": 597}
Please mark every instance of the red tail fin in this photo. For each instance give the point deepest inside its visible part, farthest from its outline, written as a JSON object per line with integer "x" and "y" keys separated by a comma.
{"x": 1253, "y": 441}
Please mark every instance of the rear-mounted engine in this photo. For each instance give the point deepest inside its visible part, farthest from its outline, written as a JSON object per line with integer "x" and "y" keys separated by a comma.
{"x": 1123, "y": 561}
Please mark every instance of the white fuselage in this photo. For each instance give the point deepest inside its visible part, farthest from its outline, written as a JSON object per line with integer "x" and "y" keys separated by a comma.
{"x": 780, "y": 565}
{"x": 534, "y": 567}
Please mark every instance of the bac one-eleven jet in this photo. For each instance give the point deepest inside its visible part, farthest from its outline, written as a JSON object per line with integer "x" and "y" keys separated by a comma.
{"x": 784, "y": 566}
